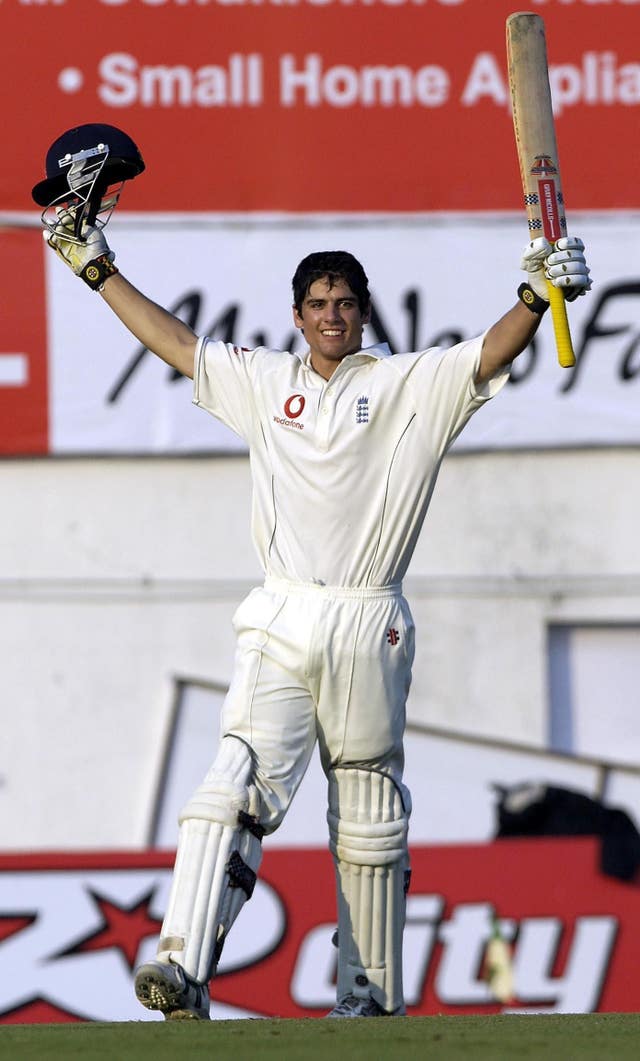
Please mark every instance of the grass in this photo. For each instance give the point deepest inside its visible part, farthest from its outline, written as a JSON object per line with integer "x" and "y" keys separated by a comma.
{"x": 554, "y": 1037}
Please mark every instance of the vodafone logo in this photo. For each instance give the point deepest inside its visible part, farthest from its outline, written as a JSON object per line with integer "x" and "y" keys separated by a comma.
{"x": 293, "y": 406}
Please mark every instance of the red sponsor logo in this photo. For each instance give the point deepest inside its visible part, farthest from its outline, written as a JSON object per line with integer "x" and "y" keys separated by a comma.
{"x": 294, "y": 406}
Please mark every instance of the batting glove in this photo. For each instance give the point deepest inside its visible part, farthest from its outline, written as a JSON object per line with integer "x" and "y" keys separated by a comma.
{"x": 91, "y": 258}
{"x": 563, "y": 263}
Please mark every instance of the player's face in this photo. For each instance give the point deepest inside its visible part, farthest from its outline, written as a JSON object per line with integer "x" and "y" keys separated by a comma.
{"x": 332, "y": 323}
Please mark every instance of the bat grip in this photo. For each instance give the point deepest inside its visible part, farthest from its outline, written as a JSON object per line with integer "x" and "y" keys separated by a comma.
{"x": 564, "y": 346}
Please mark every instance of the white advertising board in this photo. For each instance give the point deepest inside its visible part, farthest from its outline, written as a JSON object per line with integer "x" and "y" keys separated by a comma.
{"x": 433, "y": 280}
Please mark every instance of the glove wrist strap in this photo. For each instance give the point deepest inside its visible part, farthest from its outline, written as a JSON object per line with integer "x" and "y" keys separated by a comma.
{"x": 531, "y": 300}
{"x": 97, "y": 271}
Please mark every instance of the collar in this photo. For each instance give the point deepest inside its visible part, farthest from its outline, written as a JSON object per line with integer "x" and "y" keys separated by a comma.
{"x": 377, "y": 351}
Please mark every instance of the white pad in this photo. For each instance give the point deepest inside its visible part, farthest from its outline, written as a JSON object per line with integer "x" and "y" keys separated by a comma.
{"x": 216, "y": 863}
{"x": 368, "y": 825}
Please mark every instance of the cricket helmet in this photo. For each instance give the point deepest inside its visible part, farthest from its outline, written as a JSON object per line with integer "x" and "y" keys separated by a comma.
{"x": 85, "y": 169}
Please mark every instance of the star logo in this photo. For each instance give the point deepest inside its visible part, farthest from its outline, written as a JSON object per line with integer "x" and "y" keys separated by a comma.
{"x": 123, "y": 927}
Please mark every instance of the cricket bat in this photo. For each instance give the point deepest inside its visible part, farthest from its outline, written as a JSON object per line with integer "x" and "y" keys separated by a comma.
{"x": 535, "y": 135}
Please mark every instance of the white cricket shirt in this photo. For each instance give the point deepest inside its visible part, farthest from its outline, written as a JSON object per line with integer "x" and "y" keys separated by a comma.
{"x": 343, "y": 469}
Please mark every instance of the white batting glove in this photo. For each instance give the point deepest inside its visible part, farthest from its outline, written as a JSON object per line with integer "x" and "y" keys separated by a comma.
{"x": 91, "y": 258}
{"x": 563, "y": 263}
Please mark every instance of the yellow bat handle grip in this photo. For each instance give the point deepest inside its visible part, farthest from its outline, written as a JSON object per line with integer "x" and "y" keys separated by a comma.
{"x": 564, "y": 346}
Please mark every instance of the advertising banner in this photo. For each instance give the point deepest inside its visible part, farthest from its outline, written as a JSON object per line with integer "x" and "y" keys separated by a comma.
{"x": 76, "y": 382}
{"x": 73, "y": 928}
{"x": 318, "y": 105}
{"x": 270, "y": 128}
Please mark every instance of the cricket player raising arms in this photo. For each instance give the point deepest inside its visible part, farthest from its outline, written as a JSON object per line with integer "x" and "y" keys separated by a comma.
{"x": 345, "y": 445}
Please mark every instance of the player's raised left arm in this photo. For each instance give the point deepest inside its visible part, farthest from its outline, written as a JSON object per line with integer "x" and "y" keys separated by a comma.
{"x": 563, "y": 265}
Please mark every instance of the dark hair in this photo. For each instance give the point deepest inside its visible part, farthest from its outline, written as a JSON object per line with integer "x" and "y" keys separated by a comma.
{"x": 335, "y": 266}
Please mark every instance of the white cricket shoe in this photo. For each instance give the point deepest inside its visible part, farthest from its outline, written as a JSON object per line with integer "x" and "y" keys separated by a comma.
{"x": 351, "y": 1006}
{"x": 159, "y": 985}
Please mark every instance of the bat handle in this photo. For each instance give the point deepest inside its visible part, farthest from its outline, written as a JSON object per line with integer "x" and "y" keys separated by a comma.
{"x": 564, "y": 346}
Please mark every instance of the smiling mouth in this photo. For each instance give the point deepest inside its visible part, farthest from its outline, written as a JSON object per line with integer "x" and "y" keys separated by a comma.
{"x": 333, "y": 333}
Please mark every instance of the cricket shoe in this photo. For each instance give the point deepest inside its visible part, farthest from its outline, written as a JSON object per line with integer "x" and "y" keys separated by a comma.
{"x": 159, "y": 985}
{"x": 351, "y": 1006}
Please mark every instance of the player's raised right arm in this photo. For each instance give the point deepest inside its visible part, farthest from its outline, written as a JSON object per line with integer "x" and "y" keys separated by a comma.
{"x": 92, "y": 260}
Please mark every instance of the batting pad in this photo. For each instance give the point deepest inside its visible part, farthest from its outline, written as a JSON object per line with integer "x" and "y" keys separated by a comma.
{"x": 218, "y": 856}
{"x": 368, "y": 827}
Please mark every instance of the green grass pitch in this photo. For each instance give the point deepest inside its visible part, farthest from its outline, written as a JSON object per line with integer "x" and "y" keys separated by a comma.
{"x": 590, "y": 1037}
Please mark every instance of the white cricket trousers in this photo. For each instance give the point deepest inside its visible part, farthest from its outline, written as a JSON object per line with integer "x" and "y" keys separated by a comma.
{"x": 331, "y": 664}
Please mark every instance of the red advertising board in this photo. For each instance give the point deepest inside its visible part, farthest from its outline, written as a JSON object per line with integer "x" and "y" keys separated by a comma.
{"x": 309, "y": 109}
{"x": 318, "y": 105}
{"x": 68, "y": 922}
{"x": 23, "y": 344}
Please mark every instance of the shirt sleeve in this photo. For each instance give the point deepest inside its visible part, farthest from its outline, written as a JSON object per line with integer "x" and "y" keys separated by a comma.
{"x": 222, "y": 383}
{"x": 444, "y": 388}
